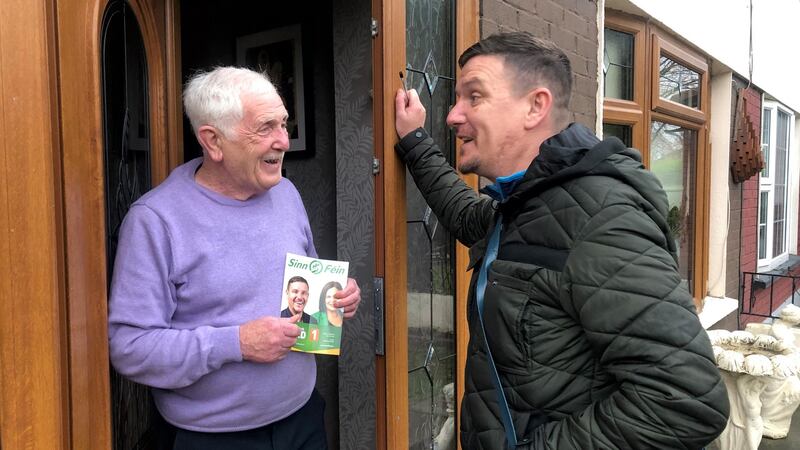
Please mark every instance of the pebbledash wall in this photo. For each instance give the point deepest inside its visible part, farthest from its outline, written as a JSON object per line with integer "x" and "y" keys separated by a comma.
{"x": 571, "y": 25}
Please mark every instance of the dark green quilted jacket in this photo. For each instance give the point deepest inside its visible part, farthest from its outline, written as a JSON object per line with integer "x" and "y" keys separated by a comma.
{"x": 596, "y": 340}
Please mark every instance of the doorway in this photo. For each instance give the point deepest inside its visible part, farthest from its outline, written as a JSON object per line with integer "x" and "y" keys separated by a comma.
{"x": 348, "y": 126}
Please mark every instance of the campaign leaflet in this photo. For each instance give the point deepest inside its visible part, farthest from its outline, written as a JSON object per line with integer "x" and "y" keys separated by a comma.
{"x": 308, "y": 288}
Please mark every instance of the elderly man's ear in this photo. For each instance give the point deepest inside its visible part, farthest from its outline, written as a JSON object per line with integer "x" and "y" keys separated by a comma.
{"x": 540, "y": 104}
{"x": 211, "y": 140}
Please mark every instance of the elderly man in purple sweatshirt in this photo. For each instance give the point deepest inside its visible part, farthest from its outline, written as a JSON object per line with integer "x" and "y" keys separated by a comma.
{"x": 195, "y": 298}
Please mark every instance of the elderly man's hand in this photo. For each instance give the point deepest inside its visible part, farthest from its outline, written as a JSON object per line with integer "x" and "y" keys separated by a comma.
{"x": 268, "y": 339}
{"x": 348, "y": 298}
{"x": 409, "y": 112}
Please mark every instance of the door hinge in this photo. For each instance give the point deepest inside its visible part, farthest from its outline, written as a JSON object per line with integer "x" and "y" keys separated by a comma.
{"x": 373, "y": 26}
{"x": 376, "y": 166}
{"x": 379, "y": 319}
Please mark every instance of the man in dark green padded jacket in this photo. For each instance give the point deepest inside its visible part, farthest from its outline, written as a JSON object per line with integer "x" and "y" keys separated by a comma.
{"x": 592, "y": 335}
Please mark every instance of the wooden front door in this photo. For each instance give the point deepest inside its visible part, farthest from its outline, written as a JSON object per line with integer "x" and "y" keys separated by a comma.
{"x": 120, "y": 134}
{"x": 420, "y": 378}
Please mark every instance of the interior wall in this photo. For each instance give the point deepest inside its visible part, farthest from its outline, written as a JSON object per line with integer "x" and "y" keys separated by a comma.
{"x": 204, "y": 47}
{"x": 352, "y": 51}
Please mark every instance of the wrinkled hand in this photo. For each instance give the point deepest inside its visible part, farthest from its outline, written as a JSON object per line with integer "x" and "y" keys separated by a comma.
{"x": 348, "y": 298}
{"x": 268, "y": 339}
{"x": 409, "y": 112}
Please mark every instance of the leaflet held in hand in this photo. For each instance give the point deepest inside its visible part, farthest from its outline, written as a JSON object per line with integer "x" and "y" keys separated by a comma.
{"x": 309, "y": 286}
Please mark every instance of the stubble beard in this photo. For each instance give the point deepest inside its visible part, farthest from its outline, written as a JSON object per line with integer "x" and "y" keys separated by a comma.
{"x": 468, "y": 167}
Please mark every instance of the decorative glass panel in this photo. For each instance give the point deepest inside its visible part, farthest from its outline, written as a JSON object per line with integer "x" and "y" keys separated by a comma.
{"x": 672, "y": 160}
{"x": 126, "y": 142}
{"x": 678, "y": 83}
{"x": 618, "y": 65}
{"x": 763, "y": 208}
{"x": 780, "y": 187}
{"x": 431, "y": 250}
{"x": 623, "y": 132}
{"x": 766, "y": 130}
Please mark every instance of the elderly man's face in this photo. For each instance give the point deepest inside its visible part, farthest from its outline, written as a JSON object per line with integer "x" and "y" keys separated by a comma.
{"x": 297, "y": 297}
{"x": 488, "y": 117}
{"x": 253, "y": 154}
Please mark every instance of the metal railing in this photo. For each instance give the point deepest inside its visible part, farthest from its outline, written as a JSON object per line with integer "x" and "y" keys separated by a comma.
{"x": 757, "y": 288}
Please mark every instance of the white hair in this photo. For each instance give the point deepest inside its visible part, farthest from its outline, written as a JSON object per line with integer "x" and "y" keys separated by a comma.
{"x": 215, "y": 97}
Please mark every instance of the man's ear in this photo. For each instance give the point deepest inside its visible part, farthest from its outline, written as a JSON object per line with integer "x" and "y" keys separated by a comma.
{"x": 210, "y": 139}
{"x": 540, "y": 105}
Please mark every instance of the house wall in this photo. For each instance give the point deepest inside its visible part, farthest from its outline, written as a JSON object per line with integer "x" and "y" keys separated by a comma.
{"x": 570, "y": 24}
{"x": 720, "y": 130}
{"x": 748, "y": 261}
{"x": 734, "y": 247}
{"x": 742, "y": 236}
{"x": 750, "y": 189}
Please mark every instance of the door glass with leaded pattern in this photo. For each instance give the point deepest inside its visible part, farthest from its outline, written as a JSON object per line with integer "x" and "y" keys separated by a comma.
{"x": 126, "y": 142}
{"x": 431, "y": 249}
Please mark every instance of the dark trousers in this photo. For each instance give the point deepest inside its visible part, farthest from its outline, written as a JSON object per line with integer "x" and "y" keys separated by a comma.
{"x": 305, "y": 429}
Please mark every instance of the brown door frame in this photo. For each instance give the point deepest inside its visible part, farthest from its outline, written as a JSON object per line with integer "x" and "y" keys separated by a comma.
{"x": 54, "y": 381}
{"x": 79, "y": 46}
{"x": 34, "y": 407}
{"x": 389, "y": 57}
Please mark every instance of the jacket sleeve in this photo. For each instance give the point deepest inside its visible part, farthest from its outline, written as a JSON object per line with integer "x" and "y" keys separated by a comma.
{"x": 142, "y": 344}
{"x": 625, "y": 291}
{"x": 461, "y": 210}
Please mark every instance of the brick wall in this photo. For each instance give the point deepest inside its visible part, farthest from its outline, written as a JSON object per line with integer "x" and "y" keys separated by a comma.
{"x": 749, "y": 232}
{"x": 570, "y": 24}
{"x": 743, "y": 229}
{"x": 762, "y": 300}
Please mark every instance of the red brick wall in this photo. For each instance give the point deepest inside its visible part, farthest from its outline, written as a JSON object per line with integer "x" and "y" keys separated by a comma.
{"x": 570, "y": 24}
{"x": 766, "y": 300}
{"x": 748, "y": 261}
{"x": 749, "y": 242}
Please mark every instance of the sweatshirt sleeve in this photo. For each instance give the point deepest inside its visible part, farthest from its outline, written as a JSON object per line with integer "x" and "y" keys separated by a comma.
{"x": 625, "y": 290}
{"x": 143, "y": 346}
{"x": 462, "y": 210}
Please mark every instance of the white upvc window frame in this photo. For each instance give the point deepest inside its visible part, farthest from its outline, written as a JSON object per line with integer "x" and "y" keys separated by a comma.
{"x": 766, "y": 259}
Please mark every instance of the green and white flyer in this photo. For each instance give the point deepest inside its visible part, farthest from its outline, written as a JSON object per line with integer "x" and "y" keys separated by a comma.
{"x": 309, "y": 285}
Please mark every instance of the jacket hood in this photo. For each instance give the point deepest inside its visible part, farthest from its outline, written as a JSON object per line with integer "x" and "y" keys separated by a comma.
{"x": 576, "y": 152}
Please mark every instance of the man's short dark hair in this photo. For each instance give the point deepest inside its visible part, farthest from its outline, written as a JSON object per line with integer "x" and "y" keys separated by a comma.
{"x": 295, "y": 279}
{"x": 536, "y": 62}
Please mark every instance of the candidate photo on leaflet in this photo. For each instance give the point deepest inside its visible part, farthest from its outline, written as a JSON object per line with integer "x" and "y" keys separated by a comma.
{"x": 297, "y": 298}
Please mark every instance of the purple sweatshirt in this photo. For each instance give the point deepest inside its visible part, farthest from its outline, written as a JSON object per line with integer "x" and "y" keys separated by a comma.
{"x": 192, "y": 265}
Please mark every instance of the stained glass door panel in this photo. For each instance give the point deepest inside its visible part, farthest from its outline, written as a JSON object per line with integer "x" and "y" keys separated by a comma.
{"x": 430, "y": 52}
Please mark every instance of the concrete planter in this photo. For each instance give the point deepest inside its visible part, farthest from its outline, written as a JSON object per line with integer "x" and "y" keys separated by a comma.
{"x": 760, "y": 373}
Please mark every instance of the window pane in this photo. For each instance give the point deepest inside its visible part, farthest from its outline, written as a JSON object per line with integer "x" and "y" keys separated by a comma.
{"x": 618, "y": 65}
{"x": 766, "y": 129}
{"x": 763, "y": 206}
{"x": 779, "y": 183}
{"x": 622, "y": 132}
{"x": 672, "y": 159}
{"x": 679, "y": 83}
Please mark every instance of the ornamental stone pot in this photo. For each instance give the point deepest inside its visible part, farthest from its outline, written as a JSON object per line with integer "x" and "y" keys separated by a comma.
{"x": 759, "y": 372}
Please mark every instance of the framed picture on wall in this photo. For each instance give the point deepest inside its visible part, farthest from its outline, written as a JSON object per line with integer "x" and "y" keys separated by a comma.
{"x": 278, "y": 52}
